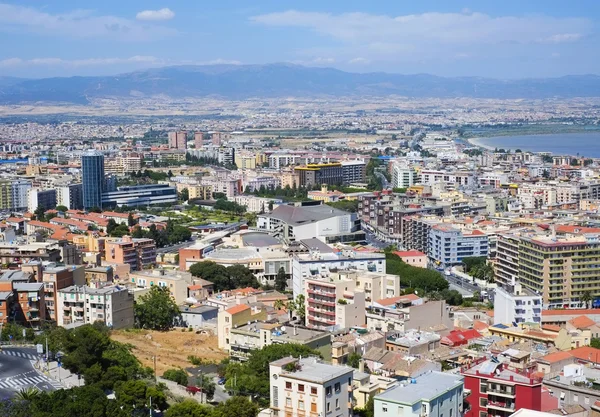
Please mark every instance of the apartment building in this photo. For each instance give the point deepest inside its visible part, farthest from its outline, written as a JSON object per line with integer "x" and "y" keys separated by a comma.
{"x": 465, "y": 179}
{"x": 176, "y": 281}
{"x": 375, "y": 285}
{"x": 518, "y": 306}
{"x": 404, "y": 176}
{"x": 228, "y": 186}
{"x": 309, "y": 387}
{"x": 257, "y": 204}
{"x": 448, "y": 246}
{"x": 236, "y": 316}
{"x": 495, "y": 390}
{"x": 137, "y": 253}
{"x": 40, "y": 198}
{"x": 123, "y": 164}
{"x": 78, "y": 305}
{"x": 354, "y": 171}
{"x": 333, "y": 304}
{"x": 320, "y": 263}
{"x": 412, "y": 342}
{"x": 178, "y": 140}
{"x": 16, "y": 254}
{"x": 13, "y": 194}
{"x": 70, "y": 196}
{"x": 22, "y": 299}
{"x": 195, "y": 191}
{"x": 434, "y": 394}
{"x": 250, "y": 336}
{"x": 560, "y": 269}
{"x": 409, "y": 312}
{"x": 57, "y": 278}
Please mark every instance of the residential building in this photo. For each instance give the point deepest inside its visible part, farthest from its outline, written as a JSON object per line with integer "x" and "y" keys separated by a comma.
{"x": 178, "y": 140}
{"x": 354, "y": 171}
{"x": 70, "y": 196}
{"x": 409, "y": 312}
{"x": 198, "y": 140}
{"x": 22, "y": 299}
{"x": 40, "y": 198}
{"x": 176, "y": 281}
{"x": 412, "y": 342}
{"x": 16, "y": 254}
{"x": 434, "y": 394}
{"x": 520, "y": 306}
{"x": 404, "y": 176}
{"x": 247, "y": 337}
{"x": 235, "y": 316}
{"x": 57, "y": 278}
{"x": 309, "y": 387}
{"x": 78, "y": 305}
{"x": 137, "y": 253}
{"x": 334, "y": 304}
{"x": 257, "y": 204}
{"x": 413, "y": 258}
{"x": 495, "y": 390}
{"x": 448, "y": 246}
{"x": 92, "y": 171}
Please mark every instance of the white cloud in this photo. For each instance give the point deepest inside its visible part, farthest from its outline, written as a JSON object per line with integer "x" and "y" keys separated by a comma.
{"x": 427, "y": 37}
{"x": 359, "y": 60}
{"x": 155, "y": 15}
{"x": 77, "y": 23}
{"x": 88, "y": 62}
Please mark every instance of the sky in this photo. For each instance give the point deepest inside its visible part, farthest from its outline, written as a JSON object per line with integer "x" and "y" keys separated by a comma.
{"x": 488, "y": 38}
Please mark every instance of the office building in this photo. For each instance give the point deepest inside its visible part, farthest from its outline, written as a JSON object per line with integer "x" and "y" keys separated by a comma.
{"x": 309, "y": 387}
{"x": 519, "y": 306}
{"x": 40, "y": 198}
{"x": 178, "y": 140}
{"x": 92, "y": 171}
{"x": 140, "y": 195}
{"x": 496, "y": 390}
{"x": 79, "y": 305}
{"x": 318, "y": 174}
{"x": 434, "y": 394}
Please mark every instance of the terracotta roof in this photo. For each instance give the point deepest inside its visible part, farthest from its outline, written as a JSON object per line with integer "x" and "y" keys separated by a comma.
{"x": 15, "y": 220}
{"x": 194, "y": 287}
{"x": 479, "y": 325}
{"x": 237, "y": 309}
{"x": 412, "y": 252}
{"x": 582, "y": 322}
{"x": 394, "y": 300}
{"x": 551, "y": 327}
{"x": 586, "y": 353}
{"x": 556, "y": 357}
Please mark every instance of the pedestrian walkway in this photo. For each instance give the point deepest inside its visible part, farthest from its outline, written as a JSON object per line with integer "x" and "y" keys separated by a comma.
{"x": 18, "y": 353}
{"x": 31, "y": 378}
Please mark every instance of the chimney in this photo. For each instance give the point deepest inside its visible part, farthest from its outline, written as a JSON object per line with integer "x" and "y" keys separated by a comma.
{"x": 361, "y": 365}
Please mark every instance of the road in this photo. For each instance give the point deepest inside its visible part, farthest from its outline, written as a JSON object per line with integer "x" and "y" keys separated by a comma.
{"x": 384, "y": 182}
{"x": 175, "y": 248}
{"x": 17, "y": 372}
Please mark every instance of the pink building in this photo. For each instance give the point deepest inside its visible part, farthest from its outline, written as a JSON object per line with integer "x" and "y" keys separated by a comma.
{"x": 413, "y": 257}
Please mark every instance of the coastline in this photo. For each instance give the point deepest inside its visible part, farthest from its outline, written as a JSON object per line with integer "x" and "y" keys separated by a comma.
{"x": 475, "y": 142}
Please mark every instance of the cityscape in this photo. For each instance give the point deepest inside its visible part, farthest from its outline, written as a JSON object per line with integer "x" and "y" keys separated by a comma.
{"x": 341, "y": 210}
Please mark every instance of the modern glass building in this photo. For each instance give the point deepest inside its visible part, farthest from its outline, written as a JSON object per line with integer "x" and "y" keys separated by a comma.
{"x": 92, "y": 168}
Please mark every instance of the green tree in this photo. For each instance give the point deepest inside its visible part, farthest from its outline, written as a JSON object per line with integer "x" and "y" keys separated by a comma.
{"x": 299, "y": 307}
{"x": 176, "y": 375}
{"x": 131, "y": 220}
{"x": 156, "y": 310}
{"x": 281, "y": 280}
{"x": 414, "y": 277}
{"x": 62, "y": 208}
{"x": 241, "y": 277}
{"x": 184, "y": 195}
{"x": 595, "y": 343}
{"x": 189, "y": 408}
{"x": 354, "y": 360}
{"x": 237, "y": 406}
{"x": 213, "y": 272}
{"x": 111, "y": 225}
{"x": 40, "y": 212}
{"x": 587, "y": 298}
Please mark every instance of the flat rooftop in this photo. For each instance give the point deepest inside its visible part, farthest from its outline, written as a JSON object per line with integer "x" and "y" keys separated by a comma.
{"x": 313, "y": 370}
{"x": 425, "y": 388}
{"x": 286, "y": 336}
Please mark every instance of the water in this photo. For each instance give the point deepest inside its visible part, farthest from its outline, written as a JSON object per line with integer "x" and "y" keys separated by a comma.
{"x": 584, "y": 144}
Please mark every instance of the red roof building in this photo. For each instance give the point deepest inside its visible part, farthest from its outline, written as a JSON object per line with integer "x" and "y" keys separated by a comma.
{"x": 460, "y": 337}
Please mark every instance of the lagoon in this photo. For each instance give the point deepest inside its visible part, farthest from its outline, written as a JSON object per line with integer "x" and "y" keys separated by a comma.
{"x": 584, "y": 144}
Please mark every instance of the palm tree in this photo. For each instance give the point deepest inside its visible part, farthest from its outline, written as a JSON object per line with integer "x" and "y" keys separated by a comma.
{"x": 27, "y": 394}
{"x": 586, "y": 297}
{"x": 278, "y": 304}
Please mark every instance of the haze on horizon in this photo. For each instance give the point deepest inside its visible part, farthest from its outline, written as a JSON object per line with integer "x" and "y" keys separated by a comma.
{"x": 509, "y": 39}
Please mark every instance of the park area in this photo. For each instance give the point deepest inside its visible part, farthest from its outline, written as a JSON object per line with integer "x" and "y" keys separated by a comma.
{"x": 171, "y": 348}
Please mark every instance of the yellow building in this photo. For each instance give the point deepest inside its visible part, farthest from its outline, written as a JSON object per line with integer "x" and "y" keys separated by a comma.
{"x": 245, "y": 161}
{"x": 6, "y": 195}
{"x": 325, "y": 195}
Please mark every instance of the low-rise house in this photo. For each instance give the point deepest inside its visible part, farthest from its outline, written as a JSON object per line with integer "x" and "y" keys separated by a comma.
{"x": 412, "y": 342}
{"x": 198, "y": 316}
{"x": 460, "y": 337}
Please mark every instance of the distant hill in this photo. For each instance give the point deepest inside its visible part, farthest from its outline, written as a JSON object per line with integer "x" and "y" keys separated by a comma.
{"x": 282, "y": 80}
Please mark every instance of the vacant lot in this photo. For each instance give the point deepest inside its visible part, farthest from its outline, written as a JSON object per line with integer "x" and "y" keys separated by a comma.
{"x": 170, "y": 348}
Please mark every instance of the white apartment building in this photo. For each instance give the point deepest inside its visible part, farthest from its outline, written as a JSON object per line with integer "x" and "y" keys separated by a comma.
{"x": 435, "y": 394}
{"x": 375, "y": 285}
{"x": 333, "y": 304}
{"x": 70, "y": 196}
{"x": 321, "y": 265}
{"x": 309, "y": 387}
{"x": 19, "y": 189}
{"x": 404, "y": 176}
{"x": 520, "y": 306}
{"x": 78, "y": 305}
{"x": 230, "y": 187}
{"x": 492, "y": 179}
{"x": 464, "y": 179}
{"x": 280, "y": 160}
{"x": 257, "y": 204}
{"x": 534, "y": 196}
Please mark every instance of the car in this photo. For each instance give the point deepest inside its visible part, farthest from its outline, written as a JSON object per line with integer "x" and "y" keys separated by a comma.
{"x": 221, "y": 381}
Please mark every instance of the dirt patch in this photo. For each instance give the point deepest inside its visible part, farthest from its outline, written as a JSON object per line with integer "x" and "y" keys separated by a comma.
{"x": 170, "y": 348}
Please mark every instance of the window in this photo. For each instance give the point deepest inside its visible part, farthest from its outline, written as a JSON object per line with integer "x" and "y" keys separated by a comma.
{"x": 575, "y": 397}
{"x": 301, "y": 387}
{"x": 328, "y": 390}
{"x": 328, "y": 406}
{"x": 483, "y": 414}
{"x": 300, "y": 405}
{"x": 288, "y": 385}
{"x": 288, "y": 402}
{"x": 313, "y": 390}
{"x": 337, "y": 387}
{"x": 313, "y": 407}
{"x": 337, "y": 403}
{"x": 384, "y": 408}
{"x": 451, "y": 410}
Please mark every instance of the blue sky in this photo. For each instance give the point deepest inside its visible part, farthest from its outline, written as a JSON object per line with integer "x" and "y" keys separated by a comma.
{"x": 492, "y": 38}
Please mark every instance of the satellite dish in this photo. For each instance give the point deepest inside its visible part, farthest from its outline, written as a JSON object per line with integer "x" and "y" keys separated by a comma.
{"x": 283, "y": 328}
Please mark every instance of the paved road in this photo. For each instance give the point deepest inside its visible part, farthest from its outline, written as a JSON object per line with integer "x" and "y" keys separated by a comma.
{"x": 459, "y": 282}
{"x": 175, "y": 248}
{"x": 17, "y": 372}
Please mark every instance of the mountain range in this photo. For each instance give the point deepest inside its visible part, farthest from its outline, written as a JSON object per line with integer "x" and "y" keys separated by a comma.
{"x": 284, "y": 80}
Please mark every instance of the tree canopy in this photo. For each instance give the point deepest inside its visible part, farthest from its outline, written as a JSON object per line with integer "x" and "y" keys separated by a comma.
{"x": 156, "y": 310}
{"x": 224, "y": 278}
{"x": 414, "y": 277}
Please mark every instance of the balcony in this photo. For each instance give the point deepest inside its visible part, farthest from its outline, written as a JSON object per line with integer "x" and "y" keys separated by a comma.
{"x": 503, "y": 406}
{"x": 508, "y": 392}
{"x": 319, "y": 301}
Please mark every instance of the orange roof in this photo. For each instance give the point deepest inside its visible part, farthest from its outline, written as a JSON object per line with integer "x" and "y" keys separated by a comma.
{"x": 551, "y": 327}
{"x": 582, "y": 322}
{"x": 238, "y": 309}
{"x": 586, "y": 353}
{"x": 556, "y": 357}
{"x": 394, "y": 300}
{"x": 479, "y": 325}
{"x": 490, "y": 313}
{"x": 15, "y": 220}
{"x": 579, "y": 312}
{"x": 195, "y": 287}
{"x": 412, "y": 252}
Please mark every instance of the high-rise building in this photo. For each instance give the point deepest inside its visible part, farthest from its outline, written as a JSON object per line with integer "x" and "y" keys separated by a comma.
{"x": 216, "y": 138}
{"x": 92, "y": 168}
{"x": 70, "y": 196}
{"x": 198, "y": 140}
{"x": 41, "y": 198}
{"x": 404, "y": 176}
{"x": 178, "y": 140}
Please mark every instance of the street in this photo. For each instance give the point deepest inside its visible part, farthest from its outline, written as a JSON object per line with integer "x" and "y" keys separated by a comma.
{"x": 176, "y": 247}
{"x": 17, "y": 372}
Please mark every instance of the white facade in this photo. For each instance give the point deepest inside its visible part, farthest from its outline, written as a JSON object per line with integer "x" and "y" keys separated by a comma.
{"x": 313, "y": 388}
{"x": 521, "y": 307}
{"x": 448, "y": 246}
{"x": 19, "y": 190}
{"x": 280, "y": 160}
{"x": 459, "y": 178}
{"x": 404, "y": 176}
{"x": 434, "y": 394}
{"x": 256, "y": 204}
